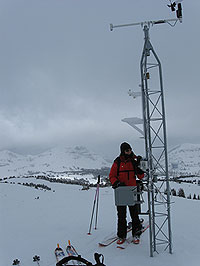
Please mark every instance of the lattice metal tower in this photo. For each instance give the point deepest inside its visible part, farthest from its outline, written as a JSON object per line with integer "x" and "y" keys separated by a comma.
{"x": 154, "y": 132}
{"x": 156, "y": 148}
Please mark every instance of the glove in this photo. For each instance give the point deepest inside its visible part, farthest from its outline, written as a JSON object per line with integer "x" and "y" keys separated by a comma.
{"x": 139, "y": 171}
{"x": 140, "y": 185}
{"x": 139, "y": 158}
{"x": 118, "y": 184}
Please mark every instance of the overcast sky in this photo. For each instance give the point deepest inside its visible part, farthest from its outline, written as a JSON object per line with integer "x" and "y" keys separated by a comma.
{"x": 64, "y": 76}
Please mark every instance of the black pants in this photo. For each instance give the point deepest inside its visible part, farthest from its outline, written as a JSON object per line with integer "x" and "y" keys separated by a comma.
{"x": 122, "y": 223}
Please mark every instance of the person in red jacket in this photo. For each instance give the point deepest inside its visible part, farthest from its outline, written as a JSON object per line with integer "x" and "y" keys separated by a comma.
{"x": 123, "y": 173}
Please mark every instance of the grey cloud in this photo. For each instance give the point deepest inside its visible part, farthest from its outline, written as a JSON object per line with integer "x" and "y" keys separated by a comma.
{"x": 65, "y": 76}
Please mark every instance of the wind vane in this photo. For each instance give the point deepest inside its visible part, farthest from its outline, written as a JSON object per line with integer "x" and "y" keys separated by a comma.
{"x": 179, "y": 8}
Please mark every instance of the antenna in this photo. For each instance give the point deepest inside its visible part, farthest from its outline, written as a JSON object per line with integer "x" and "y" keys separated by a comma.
{"x": 155, "y": 138}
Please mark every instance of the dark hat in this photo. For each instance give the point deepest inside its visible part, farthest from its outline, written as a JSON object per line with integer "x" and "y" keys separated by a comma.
{"x": 124, "y": 146}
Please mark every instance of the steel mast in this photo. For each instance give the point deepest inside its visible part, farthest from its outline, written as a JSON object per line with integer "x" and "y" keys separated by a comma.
{"x": 154, "y": 133}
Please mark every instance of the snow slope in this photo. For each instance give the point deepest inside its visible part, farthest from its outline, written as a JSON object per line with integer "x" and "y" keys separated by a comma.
{"x": 31, "y": 226}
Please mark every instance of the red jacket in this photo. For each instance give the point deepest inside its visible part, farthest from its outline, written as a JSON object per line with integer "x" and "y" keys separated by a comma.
{"x": 127, "y": 172}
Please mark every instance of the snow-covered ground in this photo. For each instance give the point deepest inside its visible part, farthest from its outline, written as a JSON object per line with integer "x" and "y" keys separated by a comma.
{"x": 30, "y": 226}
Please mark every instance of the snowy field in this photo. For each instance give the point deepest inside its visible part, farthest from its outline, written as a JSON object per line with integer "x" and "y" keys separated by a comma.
{"x": 30, "y": 226}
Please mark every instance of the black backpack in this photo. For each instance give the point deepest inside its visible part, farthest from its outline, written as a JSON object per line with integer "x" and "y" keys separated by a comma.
{"x": 80, "y": 259}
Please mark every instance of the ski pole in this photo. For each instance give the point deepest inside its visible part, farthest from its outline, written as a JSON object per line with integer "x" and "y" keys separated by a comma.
{"x": 95, "y": 199}
{"x": 98, "y": 182}
{"x": 89, "y": 233}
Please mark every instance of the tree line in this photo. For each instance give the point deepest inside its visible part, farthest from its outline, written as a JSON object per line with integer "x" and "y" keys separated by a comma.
{"x": 181, "y": 193}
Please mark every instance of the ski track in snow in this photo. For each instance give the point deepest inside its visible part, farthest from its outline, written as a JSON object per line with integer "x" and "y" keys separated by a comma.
{"x": 31, "y": 226}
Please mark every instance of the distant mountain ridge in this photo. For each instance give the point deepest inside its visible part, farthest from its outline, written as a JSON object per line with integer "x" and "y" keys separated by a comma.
{"x": 59, "y": 159}
{"x": 185, "y": 159}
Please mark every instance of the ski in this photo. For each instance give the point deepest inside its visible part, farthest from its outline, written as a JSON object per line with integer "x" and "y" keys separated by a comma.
{"x": 112, "y": 237}
{"x": 59, "y": 253}
{"x": 72, "y": 258}
{"x": 108, "y": 240}
{"x": 71, "y": 251}
{"x": 130, "y": 238}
